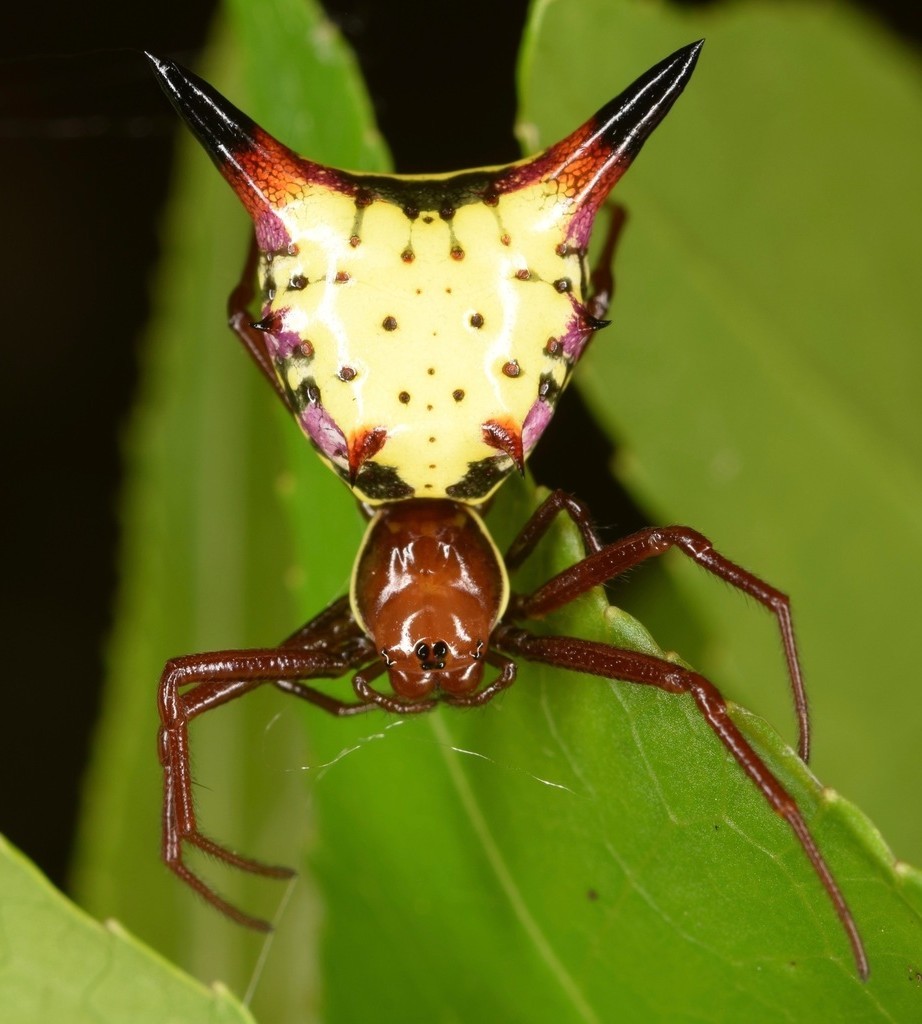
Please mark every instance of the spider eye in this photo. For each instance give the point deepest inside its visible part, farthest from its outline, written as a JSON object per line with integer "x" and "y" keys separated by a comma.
{"x": 431, "y": 657}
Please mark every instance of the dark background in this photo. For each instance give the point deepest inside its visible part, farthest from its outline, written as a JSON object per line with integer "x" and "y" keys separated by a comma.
{"x": 85, "y": 153}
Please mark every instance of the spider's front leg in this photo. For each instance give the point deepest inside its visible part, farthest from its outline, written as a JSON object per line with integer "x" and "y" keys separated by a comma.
{"x": 602, "y": 564}
{"x": 198, "y": 683}
{"x": 611, "y": 662}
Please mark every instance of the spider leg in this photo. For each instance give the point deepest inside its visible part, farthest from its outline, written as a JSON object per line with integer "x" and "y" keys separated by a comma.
{"x": 601, "y": 659}
{"x": 540, "y": 522}
{"x": 367, "y": 694}
{"x": 602, "y": 278}
{"x": 615, "y": 559}
{"x": 240, "y": 321}
{"x": 334, "y": 630}
{"x": 503, "y": 681}
{"x": 212, "y": 680}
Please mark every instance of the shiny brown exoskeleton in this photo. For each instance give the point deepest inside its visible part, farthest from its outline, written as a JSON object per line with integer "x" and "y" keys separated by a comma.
{"x": 429, "y": 587}
{"x": 430, "y": 603}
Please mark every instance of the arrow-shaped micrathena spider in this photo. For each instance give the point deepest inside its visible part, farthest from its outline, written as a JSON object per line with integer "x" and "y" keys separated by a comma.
{"x": 420, "y": 330}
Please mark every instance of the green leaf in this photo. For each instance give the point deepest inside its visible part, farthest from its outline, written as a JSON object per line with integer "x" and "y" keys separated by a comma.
{"x": 580, "y": 849}
{"x": 58, "y": 964}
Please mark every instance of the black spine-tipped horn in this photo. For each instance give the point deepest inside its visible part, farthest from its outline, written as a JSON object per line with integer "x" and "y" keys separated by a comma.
{"x": 222, "y": 129}
{"x": 585, "y": 166}
{"x": 257, "y": 166}
{"x": 623, "y": 125}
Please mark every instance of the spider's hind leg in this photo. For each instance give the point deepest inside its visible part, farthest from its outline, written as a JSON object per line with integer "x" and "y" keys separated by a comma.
{"x": 602, "y": 275}
{"x": 240, "y": 321}
{"x": 540, "y": 522}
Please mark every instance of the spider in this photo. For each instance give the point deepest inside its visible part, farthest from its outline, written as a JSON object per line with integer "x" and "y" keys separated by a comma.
{"x": 420, "y": 330}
